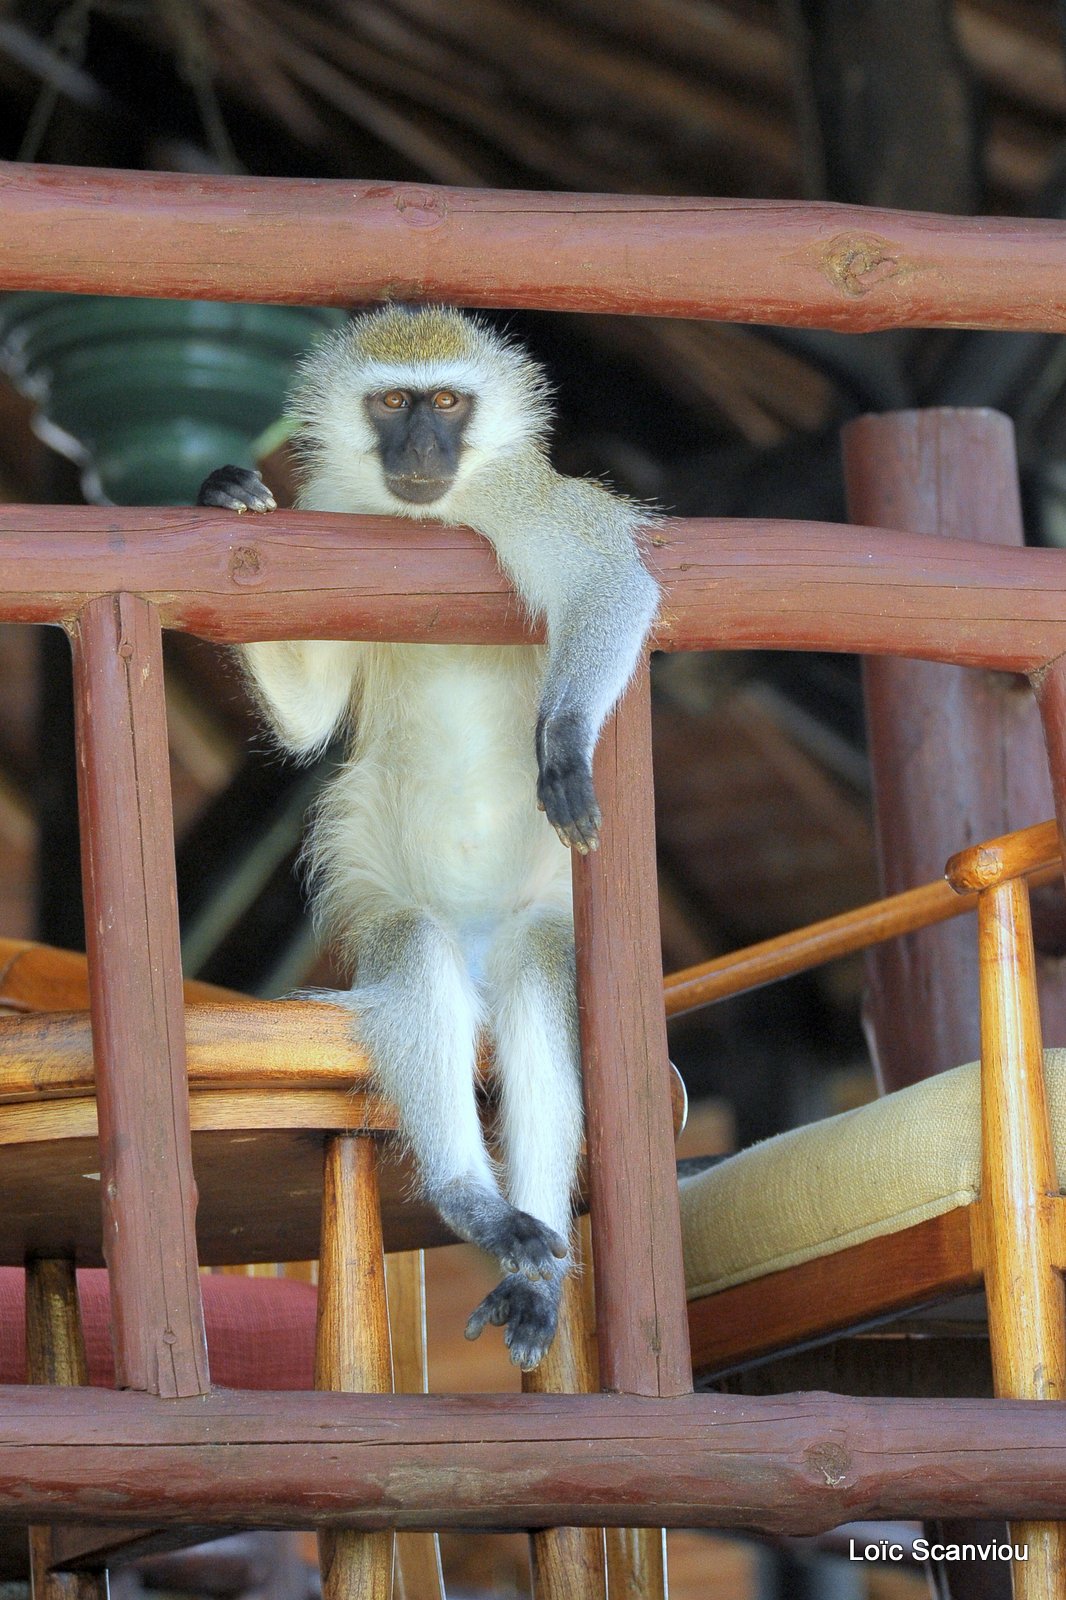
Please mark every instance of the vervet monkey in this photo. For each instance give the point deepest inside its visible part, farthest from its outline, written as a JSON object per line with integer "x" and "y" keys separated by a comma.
{"x": 431, "y": 861}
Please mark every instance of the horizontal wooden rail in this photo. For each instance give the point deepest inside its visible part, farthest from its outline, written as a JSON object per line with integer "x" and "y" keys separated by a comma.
{"x": 786, "y": 1464}
{"x": 337, "y": 242}
{"x": 729, "y": 584}
{"x": 740, "y": 971}
{"x": 264, "y": 1044}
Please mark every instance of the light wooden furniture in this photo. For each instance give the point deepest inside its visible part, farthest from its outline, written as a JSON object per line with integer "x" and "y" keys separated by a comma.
{"x": 285, "y": 1139}
{"x": 1010, "y": 1236}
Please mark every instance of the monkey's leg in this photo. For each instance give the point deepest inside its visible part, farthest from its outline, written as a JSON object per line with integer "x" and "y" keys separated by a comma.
{"x": 419, "y": 1016}
{"x": 531, "y": 996}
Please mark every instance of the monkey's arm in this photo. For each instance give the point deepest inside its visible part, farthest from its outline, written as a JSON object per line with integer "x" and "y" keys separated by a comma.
{"x": 576, "y": 563}
{"x": 305, "y": 686}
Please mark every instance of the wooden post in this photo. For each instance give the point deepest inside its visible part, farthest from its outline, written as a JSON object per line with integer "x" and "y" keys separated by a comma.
{"x": 1026, "y": 1303}
{"x": 957, "y": 755}
{"x": 138, "y": 1019}
{"x": 352, "y": 1342}
{"x": 642, "y": 1326}
{"x": 55, "y": 1354}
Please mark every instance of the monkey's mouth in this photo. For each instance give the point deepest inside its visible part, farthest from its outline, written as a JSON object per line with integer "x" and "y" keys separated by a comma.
{"x": 419, "y": 491}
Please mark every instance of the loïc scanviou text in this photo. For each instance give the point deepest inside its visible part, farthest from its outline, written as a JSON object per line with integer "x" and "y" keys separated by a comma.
{"x": 930, "y": 1550}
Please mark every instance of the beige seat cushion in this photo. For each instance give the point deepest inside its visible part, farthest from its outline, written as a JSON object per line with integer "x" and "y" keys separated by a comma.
{"x": 814, "y": 1190}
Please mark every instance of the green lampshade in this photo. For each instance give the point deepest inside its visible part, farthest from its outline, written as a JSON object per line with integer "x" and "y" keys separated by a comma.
{"x": 149, "y": 396}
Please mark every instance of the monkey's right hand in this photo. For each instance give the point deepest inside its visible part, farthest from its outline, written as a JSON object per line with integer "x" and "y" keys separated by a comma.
{"x": 564, "y": 781}
{"x": 236, "y": 489}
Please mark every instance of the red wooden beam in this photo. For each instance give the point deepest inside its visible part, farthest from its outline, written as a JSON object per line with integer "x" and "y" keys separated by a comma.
{"x": 641, "y": 1321}
{"x": 782, "y": 1464}
{"x": 334, "y": 242}
{"x": 729, "y": 584}
{"x": 138, "y": 1018}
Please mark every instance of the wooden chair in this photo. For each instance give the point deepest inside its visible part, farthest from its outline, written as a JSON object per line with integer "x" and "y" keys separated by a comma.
{"x": 941, "y": 1187}
{"x": 954, "y": 756}
{"x": 276, "y": 1088}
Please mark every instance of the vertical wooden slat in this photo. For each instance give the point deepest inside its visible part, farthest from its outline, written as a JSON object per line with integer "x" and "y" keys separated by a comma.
{"x": 418, "y": 1574}
{"x": 1026, "y": 1303}
{"x": 352, "y": 1342}
{"x": 149, "y": 1196}
{"x": 55, "y": 1353}
{"x": 642, "y": 1326}
{"x": 567, "y": 1563}
{"x": 636, "y": 1564}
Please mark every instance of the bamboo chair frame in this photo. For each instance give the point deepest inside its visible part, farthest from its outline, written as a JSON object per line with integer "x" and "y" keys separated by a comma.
{"x": 647, "y": 1451}
{"x": 1012, "y": 1239}
{"x": 962, "y": 1248}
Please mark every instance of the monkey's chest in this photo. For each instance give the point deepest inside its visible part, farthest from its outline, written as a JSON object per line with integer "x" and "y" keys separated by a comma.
{"x": 443, "y": 789}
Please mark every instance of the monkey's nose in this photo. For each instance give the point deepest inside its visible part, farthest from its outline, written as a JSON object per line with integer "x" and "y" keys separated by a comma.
{"x": 425, "y": 451}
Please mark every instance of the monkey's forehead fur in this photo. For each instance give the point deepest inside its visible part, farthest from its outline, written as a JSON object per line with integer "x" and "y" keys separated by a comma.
{"x": 426, "y": 347}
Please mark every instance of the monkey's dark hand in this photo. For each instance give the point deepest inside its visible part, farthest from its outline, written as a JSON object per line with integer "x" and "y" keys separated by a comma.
{"x": 564, "y": 781}
{"x": 236, "y": 489}
{"x": 530, "y": 1311}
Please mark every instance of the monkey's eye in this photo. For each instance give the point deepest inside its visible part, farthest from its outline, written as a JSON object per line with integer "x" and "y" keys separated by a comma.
{"x": 444, "y": 400}
{"x": 395, "y": 399}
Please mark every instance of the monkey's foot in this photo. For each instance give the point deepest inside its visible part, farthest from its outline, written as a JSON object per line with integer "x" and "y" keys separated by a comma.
{"x": 564, "y": 782}
{"x": 521, "y": 1243}
{"x": 236, "y": 489}
{"x": 527, "y": 1247}
{"x": 528, "y": 1310}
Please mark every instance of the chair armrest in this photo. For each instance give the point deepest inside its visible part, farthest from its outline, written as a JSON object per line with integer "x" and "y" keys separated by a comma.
{"x": 1031, "y": 852}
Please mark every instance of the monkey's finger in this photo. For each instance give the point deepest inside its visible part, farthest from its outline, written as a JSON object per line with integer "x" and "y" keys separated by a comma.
{"x": 494, "y": 1309}
{"x": 582, "y": 835}
{"x": 226, "y": 502}
{"x": 586, "y": 830}
{"x": 236, "y": 489}
{"x": 569, "y": 799}
{"x": 239, "y": 501}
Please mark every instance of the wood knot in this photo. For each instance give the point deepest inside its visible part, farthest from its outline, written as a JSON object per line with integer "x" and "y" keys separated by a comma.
{"x": 245, "y": 564}
{"x": 859, "y": 263}
{"x": 831, "y": 1461}
{"x": 422, "y": 208}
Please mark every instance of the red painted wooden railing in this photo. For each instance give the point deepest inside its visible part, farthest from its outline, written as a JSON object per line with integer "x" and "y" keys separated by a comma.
{"x": 653, "y": 1453}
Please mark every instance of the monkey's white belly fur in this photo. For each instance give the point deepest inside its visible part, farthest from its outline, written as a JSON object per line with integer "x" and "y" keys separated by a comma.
{"x": 435, "y": 807}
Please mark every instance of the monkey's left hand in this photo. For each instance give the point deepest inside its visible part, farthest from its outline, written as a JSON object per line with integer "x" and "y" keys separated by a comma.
{"x": 564, "y": 781}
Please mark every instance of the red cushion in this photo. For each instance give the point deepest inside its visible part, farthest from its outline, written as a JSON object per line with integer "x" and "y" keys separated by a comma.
{"x": 260, "y": 1331}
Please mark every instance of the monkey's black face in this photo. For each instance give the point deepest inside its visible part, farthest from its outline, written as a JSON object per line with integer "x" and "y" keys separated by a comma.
{"x": 420, "y": 439}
